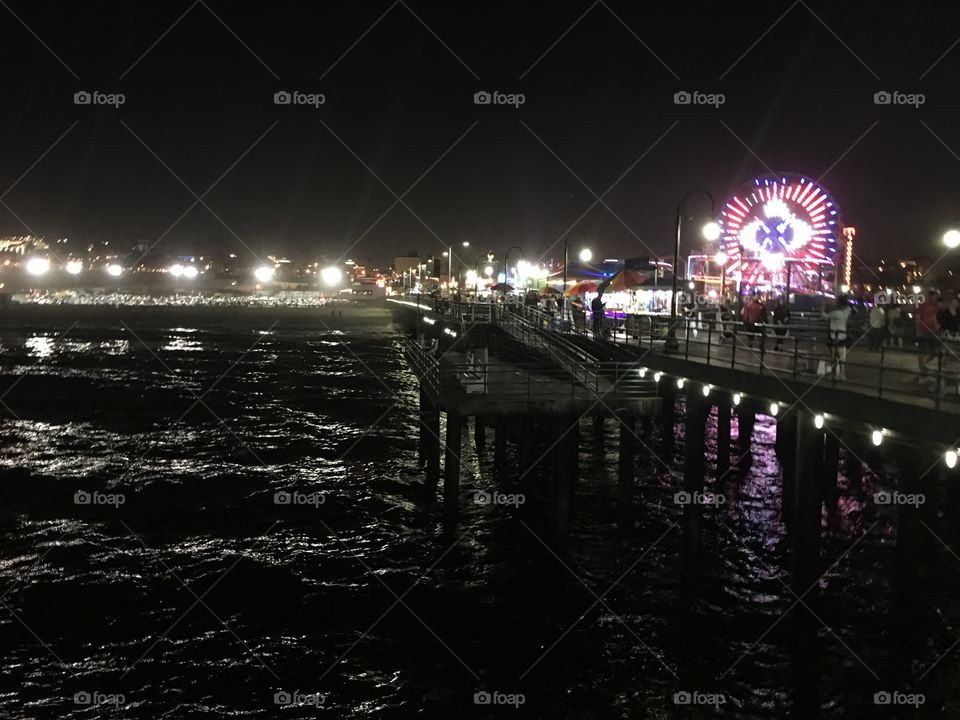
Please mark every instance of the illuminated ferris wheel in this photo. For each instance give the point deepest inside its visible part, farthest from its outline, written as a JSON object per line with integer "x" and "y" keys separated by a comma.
{"x": 779, "y": 225}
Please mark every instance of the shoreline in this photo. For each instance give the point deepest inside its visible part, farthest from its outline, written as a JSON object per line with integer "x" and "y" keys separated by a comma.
{"x": 374, "y": 314}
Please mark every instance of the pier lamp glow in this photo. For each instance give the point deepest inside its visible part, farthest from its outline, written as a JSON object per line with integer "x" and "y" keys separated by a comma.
{"x": 818, "y": 421}
{"x": 951, "y": 238}
{"x": 586, "y": 255}
{"x": 74, "y": 267}
{"x": 774, "y": 408}
{"x": 175, "y": 270}
{"x": 190, "y": 272}
{"x": 680, "y": 383}
{"x": 876, "y": 437}
{"x": 642, "y": 372}
{"x": 657, "y": 376}
{"x": 737, "y": 397}
{"x": 706, "y": 390}
{"x": 429, "y": 320}
{"x": 114, "y": 270}
{"x": 37, "y": 266}
{"x": 711, "y": 231}
{"x": 331, "y": 275}
{"x": 264, "y": 274}
{"x": 950, "y": 457}
{"x": 488, "y": 270}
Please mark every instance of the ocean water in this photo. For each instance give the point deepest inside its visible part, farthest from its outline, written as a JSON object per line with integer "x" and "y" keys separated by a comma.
{"x": 218, "y": 523}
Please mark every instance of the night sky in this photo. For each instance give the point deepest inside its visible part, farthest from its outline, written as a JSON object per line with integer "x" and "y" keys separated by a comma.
{"x": 399, "y": 80}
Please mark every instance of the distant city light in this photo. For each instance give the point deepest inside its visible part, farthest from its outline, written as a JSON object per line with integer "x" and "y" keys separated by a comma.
{"x": 74, "y": 267}
{"x": 263, "y": 274}
{"x": 175, "y": 270}
{"x": 488, "y": 270}
{"x": 951, "y": 238}
{"x": 471, "y": 277}
{"x": 190, "y": 272}
{"x": 37, "y": 266}
{"x": 951, "y": 459}
{"x": 114, "y": 270}
{"x": 331, "y": 275}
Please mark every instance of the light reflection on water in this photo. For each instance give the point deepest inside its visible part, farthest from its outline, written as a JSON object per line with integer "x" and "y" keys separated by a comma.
{"x": 295, "y": 586}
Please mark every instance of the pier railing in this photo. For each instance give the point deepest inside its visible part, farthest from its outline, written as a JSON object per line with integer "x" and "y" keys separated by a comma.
{"x": 506, "y": 383}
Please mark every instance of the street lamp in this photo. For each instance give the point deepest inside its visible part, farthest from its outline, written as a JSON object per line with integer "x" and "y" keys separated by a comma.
{"x": 585, "y": 255}
{"x": 332, "y": 276}
{"x": 263, "y": 274}
{"x": 709, "y": 228}
{"x": 506, "y": 255}
{"x": 951, "y": 238}
{"x": 448, "y": 253}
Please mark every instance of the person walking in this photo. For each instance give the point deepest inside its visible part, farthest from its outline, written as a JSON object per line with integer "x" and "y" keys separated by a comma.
{"x": 949, "y": 319}
{"x": 837, "y": 335}
{"x": 781, "y": 319}
{"x": 754, "y": 316}
{"x": 896, "y": 326}
{"x": 878, "y": 328}
{"x": 928, "y": 327}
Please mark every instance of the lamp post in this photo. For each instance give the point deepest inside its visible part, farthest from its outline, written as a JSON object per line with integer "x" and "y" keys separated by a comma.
{"x": 449, "y": 255}
{"x": 506, "y": 255}
{"x": 671, "y": 342}
{"x": 585, "y": 255}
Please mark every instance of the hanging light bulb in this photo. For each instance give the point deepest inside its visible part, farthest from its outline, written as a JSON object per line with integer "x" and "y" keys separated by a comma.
{"x": 774, "y": 408}
{"x": 818, "y": 421}
{"x": 736, "y": 398}
{"x": 951, "y": 459}
{"x": 706, "y": 390}
{"x": 680, "y": 383}
{"x": 877, "y": 437}
{"x": 642, "y": 372}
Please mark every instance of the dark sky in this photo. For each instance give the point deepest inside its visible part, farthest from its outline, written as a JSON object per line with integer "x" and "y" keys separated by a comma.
{"x": 199, "y": 96}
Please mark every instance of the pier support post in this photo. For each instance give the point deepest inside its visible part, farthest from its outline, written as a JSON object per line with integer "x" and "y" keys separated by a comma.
{"x": 451, "y": 469}
{"x": 431, "y": 440}
{"x": 807, "y": 482}
{"x": 723, "y": 436}
{"x": 668, "y": 410}
{"x": 831, "y": 466}
{"x": 908, "y": 526}
{"x": 787, "y": 434}
{"x": 694, "y": 469}
{"x": 480, "y": 433}
{"x": 422, "y": 426}
{"x": 746, "y": 419}
{"x": 628, "y": 441}
{"x": 500, "y": 443}
{"x": 566, "y": 455}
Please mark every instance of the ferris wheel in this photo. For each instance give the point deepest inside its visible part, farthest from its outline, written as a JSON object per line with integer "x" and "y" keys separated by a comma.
{"x": 778, "y": 224}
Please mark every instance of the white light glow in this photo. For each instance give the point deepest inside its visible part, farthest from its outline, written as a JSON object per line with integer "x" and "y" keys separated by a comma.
{"x": 657, "y": 376}
{"x": 642, "y": 372}
{"x": 38, "y": 266}
{"x": 680, "y": 383}
{"x": 263, "y": 274}
{"x": 951, "y": 238}
{"x": 586, "y": 255}
{"x": 114, "y": 270}
{"x": 175, "y": 270}
{"x": 774, "y": 409}
{"x": 951, "y": 458}
{"x": 331, "y": 275}
{"x": 818, "y": 421}
{"x": 488, "y": 270}
{"x": 720, "y": 258}
{"x": 190, "y": 272}
{"x": 706, "y": 390}
{"x": 877, "y": 437}
{"x": 74, "y": 267}
{"x": 736, "y": 398}
{"x": 711, "y": 231}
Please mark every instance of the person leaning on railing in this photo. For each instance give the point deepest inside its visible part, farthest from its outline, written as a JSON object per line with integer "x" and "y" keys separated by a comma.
{"x": 928, "y": 328}
{"x": 837, "y": 334}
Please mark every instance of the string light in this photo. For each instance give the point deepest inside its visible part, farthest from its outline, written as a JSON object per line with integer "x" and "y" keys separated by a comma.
{"x": 951, "y": 459}
{"x": 774, "y": 408}
{"x": 818, "y": 421}
{"x": 877, "y": 437}
{"x": 706, "y": 390}
{"x": 680, "y": 383}
{"x": 736, "y": 398}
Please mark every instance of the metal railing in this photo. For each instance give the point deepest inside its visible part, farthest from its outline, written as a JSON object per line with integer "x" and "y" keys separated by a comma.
{"x": 522, "y": 382}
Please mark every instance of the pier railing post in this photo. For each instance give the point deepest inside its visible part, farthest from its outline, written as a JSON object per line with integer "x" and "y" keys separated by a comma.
{"x": 807, "y": 483}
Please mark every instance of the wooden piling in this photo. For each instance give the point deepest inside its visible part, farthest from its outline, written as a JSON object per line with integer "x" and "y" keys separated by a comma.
{"x": 723, "y": 436}
{"x": 808, "y": 485}
{"x": 694, "y": 469}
